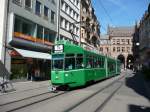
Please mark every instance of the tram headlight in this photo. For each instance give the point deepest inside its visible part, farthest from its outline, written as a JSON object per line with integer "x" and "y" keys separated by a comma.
{"x": 56, "y": 77}
{"x": 66, "y": 75}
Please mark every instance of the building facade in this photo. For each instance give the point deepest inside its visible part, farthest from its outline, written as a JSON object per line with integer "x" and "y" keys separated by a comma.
{"x": 136, "y": 49}
{"x": 90, "y": 27}
{"x": 31, "y": 32}
{"x": 3, "y": 15}
{"x": 121, "y": 44}
{"x": 69, "y": 26}
{"x": 144, "y": 39}
{"x": 105, "y": 45}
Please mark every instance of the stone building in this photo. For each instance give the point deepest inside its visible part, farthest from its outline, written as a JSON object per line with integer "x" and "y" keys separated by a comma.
{"x": 105, "y": 45}
{"x": 90, "y": 27}
{"x": 144, "y": 39}
{"x": 121, "y": 44}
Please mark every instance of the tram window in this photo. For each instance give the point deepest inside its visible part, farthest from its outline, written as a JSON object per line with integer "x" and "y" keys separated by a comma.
{"x": 79, "y": 61}
{"x": 98, "y": 63}
{"x": 70, "y": 62}
{"x": 89, "y": 62}
{"x": 57, "y": 64}
{"x": 94, "y": 62}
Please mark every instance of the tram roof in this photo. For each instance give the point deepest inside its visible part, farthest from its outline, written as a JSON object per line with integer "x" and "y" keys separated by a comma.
{"x": 73, "y": 48}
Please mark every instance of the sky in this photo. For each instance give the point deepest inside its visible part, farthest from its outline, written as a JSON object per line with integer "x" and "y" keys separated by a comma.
{"x": 119, "y": 12}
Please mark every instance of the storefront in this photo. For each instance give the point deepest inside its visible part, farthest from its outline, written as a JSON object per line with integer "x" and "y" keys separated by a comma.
{"x": 30, "y": 65}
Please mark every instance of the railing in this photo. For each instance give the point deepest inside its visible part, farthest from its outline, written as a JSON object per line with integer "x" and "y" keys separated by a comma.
{"x": 32, "y": 39}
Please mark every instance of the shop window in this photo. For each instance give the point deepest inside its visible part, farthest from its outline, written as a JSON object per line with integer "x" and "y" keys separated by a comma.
{"x": 39, "y": 32}
{"x": 45, "y": 12}
{"x": 38, "y": 8}
{"x": 52, "y": 17}
{"x": 28, "y": 4}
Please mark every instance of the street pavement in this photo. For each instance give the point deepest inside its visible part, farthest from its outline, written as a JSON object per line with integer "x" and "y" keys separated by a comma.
{"x": 131, "y": 96}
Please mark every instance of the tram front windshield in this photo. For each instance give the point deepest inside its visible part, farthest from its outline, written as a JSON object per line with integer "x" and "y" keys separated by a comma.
{"x": 57, "y": 62}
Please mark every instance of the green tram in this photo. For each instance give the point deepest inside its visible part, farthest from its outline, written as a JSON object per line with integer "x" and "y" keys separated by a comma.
{"x": 73, "y": 66}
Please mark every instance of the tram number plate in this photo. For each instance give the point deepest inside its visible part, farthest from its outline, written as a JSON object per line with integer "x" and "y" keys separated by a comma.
{"x": 58, "y": 48}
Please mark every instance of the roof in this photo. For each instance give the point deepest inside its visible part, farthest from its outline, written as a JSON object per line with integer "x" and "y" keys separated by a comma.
{"x": 121, "y": 31}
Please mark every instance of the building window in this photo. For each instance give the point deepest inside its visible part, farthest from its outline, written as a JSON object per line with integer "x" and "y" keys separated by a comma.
{"x": 118, "y": 41}
{"x": 101, "y": 49}
{"x": 77, "y": 3}
{"x": 128, "y": 41}
{"x": 38, "y": 8}
{"x": 18, "y": 2}
{"x": 123, "y": 41}
{"x": 62, "y": 5}
{"x": 66, "y": 24}
{"x": 114, "y": 49}
{"x": 52, "y": 17}
{"x": 47, "y": 35}
{"x": 66, "y": 8}
{"x": 107, "y": 49}
{"x": 123, "y": 49}
{"x": 114, "y": 41}
{"x": 28, "y": 4}
{"x": 45, "y": 12}
{"x": 53, "y": 2}
{"x": 128, "y": 49}
{"x": 118, "y": 49}
{"x": 61, "y": 22}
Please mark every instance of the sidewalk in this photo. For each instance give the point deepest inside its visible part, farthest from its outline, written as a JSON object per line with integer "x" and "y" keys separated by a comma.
{"x": 26, "y": 85}
{"x": 24, "y": 90}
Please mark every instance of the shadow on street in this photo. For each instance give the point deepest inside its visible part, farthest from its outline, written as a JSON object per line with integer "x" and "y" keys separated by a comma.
{"x": 137, "y": 108}
{"x": 136, "y": 82}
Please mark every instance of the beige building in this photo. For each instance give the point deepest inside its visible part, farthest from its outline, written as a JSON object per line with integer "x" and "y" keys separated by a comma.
{"x": 90, "y": 28}
{"x": 105, "y": 45}
{"x": 120, "y": 44}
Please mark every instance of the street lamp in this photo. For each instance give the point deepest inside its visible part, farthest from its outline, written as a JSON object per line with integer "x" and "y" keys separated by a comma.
{"x": 137, "y": 44}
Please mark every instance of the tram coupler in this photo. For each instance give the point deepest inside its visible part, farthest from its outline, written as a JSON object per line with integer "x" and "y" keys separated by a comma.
{"x": 53, "y": 88}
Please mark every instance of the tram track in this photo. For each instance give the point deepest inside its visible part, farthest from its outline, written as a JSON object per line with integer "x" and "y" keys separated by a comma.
{"x": 27, "y": 102}
{"x": 94, "y": 94}
{"x": 16, "y": 105}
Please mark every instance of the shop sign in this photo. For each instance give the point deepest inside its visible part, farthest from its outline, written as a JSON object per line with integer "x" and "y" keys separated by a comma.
{"x": 14, "y": 53}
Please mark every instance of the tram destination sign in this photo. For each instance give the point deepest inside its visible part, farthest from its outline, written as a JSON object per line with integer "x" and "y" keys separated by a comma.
{"x": 58, "y": 49}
